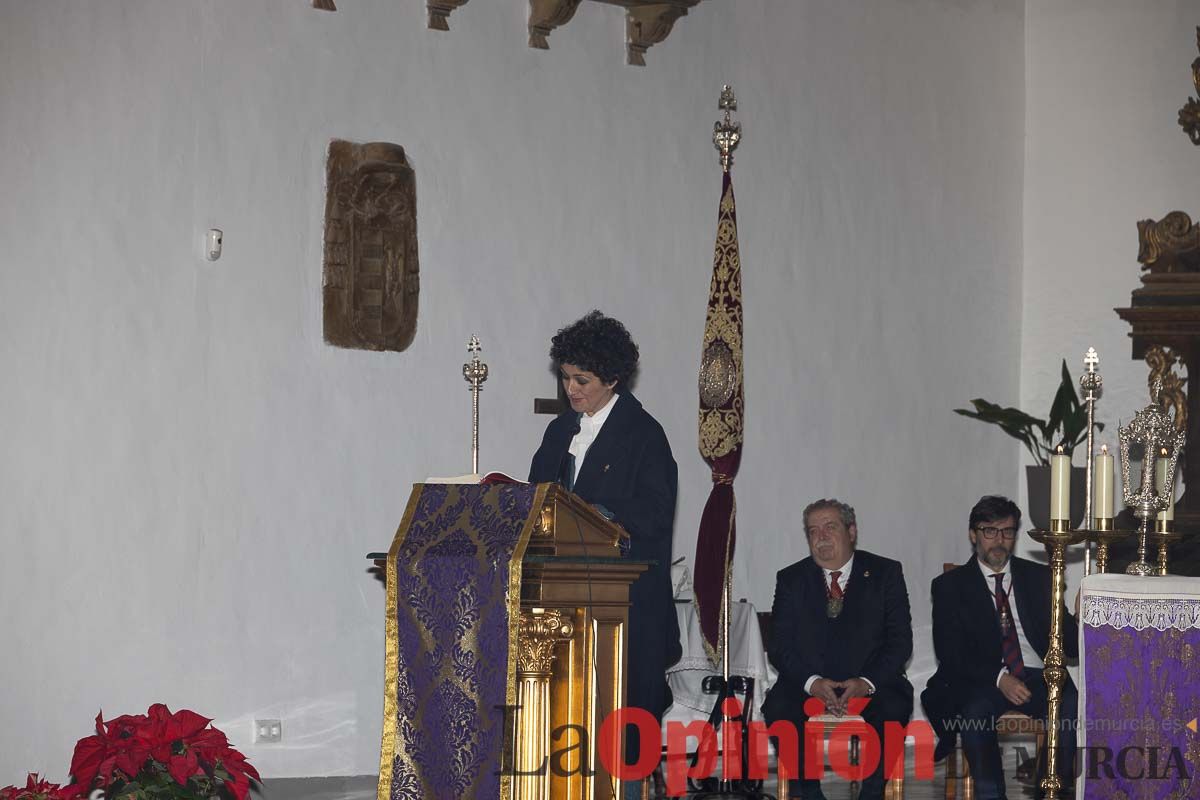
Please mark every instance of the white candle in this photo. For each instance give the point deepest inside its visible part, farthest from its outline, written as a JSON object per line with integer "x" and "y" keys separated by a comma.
{"x": 1102, "y": 494}
{"x": 1160, "y": 481}
{"x": 1060, "y": 486}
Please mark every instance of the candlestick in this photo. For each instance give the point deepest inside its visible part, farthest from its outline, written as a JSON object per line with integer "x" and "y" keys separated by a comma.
{"x": 1161, "y": 488}
{"x": 1060, "y": 489}
{"x": 1091, "y": 383}
{"x": 1102, "y": 502}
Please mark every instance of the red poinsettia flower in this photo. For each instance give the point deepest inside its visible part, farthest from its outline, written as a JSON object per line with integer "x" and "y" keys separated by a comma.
{"x": 158, "y": 743}
{"x": 39, "y": 789}
{"x": 95, "y": 756}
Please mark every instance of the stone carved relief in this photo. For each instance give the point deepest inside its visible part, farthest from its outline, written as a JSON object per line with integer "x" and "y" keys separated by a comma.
{"x": 545, "y": 16}
{"x": 371, "y": 281}
{"x": 439, "y": 13}
{"x": 647, "y": 22}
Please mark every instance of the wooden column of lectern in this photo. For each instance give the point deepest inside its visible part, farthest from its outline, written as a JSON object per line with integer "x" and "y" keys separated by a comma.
{"x": 572, "y": 658}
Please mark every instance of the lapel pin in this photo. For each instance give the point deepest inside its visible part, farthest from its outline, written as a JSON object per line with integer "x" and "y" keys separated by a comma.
{"x": 605, "y": 468}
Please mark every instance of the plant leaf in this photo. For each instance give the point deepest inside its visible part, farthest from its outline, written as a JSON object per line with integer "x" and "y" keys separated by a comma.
{"x": 1065, "y": 406}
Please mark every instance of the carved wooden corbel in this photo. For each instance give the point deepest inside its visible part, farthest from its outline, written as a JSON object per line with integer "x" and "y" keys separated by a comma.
{"x": 439, "y": 11}
{"x": 648, "y": 24}
{"x": 545, "y": 16}
{"x": 1171, "y": 244}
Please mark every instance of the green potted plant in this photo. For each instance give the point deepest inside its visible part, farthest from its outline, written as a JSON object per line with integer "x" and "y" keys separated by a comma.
{"x": 1065, "y": 426}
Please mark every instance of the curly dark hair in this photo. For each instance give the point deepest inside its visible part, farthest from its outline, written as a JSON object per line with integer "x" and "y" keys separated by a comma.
{"x": 599, "y": 345}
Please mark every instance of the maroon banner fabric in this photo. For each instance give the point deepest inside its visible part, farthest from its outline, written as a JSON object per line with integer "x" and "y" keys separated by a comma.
{"x": 721, "y": 419}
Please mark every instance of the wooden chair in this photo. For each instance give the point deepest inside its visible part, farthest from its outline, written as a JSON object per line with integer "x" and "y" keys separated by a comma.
{"x": 892, "y": 790}
{"x": 1010, "y": 724}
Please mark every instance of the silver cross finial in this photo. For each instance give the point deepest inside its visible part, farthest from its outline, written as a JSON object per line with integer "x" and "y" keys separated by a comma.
{"x": 1091, "y": 360}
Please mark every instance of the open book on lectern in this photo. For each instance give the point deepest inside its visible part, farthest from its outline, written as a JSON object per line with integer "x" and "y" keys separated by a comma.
{"x": 490, "y": 479}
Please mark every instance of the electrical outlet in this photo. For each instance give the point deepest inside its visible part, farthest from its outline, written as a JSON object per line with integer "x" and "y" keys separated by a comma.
{"x": 268, "y": 731}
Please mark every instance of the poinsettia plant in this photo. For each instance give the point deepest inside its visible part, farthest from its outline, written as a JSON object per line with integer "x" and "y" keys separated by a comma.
{"x": 153, "y": 756}
{"x": 37, "y": 788}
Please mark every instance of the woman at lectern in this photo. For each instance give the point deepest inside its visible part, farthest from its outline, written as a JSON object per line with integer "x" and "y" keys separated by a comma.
{"x": 609, "y": 450}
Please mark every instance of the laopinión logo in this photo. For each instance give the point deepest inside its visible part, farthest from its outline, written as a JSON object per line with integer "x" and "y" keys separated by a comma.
{"x": 571, "y": 758}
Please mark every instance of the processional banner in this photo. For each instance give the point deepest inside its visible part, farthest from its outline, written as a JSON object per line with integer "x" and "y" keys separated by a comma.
{"x": 1140, "y": 692}
{"x": 721, "y": 430}
{"x": 453, "y": 610}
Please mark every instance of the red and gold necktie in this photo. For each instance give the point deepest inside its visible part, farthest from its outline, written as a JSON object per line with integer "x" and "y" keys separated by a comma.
{"x": 1011, "y": 647}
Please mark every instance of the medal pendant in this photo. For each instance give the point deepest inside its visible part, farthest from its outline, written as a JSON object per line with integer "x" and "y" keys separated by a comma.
{"x": 833, "y": 607}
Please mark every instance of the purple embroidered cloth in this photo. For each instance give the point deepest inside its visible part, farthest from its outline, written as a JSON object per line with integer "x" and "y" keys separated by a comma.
{"x": 454, "y": 573}
{"x": 1140, "y": 687}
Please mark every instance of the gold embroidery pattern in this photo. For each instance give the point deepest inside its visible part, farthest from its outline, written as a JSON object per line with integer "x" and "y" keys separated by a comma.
{"x": 721, "y": 398}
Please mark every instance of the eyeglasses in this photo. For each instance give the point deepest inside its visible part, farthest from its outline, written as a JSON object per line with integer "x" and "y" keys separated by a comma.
{"x": 992, "y": 533}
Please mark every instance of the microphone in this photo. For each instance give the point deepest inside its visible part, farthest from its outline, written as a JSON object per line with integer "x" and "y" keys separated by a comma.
{"x": 566, "y": 464}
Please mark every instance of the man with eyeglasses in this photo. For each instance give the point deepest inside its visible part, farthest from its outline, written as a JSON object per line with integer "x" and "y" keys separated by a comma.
{"x": 991, "y": 631}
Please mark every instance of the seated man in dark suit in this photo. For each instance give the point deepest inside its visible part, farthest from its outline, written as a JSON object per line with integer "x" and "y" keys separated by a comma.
{"x": 840, "y": 629}
{"x": 991, "y": 631}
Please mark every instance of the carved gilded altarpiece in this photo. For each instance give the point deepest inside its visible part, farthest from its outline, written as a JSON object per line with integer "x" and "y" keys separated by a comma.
{"x": 371, "y": 280}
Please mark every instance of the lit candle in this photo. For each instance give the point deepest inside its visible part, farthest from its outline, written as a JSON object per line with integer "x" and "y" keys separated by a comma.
{"x": 1060, "y": 486}
{"x": 1160, "y": 481}
{"x": 1102, "y": 495}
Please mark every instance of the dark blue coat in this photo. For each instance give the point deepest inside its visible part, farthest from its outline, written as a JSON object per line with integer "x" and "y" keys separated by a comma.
{"x": 967, "y": 637}
{"x": 875, "y": 643}
{"x": 630, "y": 471}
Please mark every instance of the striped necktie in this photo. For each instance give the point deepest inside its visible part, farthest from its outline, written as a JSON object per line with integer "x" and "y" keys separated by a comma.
{"x": 835, "y": 588}
{"x": 1011, "y": 648}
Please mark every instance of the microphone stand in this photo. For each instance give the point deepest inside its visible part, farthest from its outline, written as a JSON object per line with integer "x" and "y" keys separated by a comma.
{"x": 725, "y": 686}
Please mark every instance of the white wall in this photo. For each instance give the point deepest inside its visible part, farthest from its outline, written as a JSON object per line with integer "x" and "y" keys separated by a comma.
{"x": 192, "y": 477}
{"x": 1104, "y": 85}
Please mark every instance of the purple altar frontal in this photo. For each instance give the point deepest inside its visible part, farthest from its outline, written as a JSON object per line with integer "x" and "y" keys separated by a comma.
{"x": 453, "y": 606}
{"x": 1139, "y": 691}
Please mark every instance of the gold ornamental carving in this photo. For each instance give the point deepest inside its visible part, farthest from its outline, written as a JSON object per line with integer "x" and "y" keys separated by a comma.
{"x": 544, "y": 526}
{"x": 371, "y": 276}
{"x": 1189, "y": 115}
{"x": 1170, "y": 244}
{"x": 541, "y": 631}
{"x": 1173, "y": 397}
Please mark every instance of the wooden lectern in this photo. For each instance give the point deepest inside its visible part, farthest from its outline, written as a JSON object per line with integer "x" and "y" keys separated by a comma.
{"x": 571, "y": 654}
{"x": 573, "y": 659}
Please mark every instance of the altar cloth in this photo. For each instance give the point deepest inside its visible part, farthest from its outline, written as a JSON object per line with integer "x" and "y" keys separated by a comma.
{"x": 1139, "y": 688}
